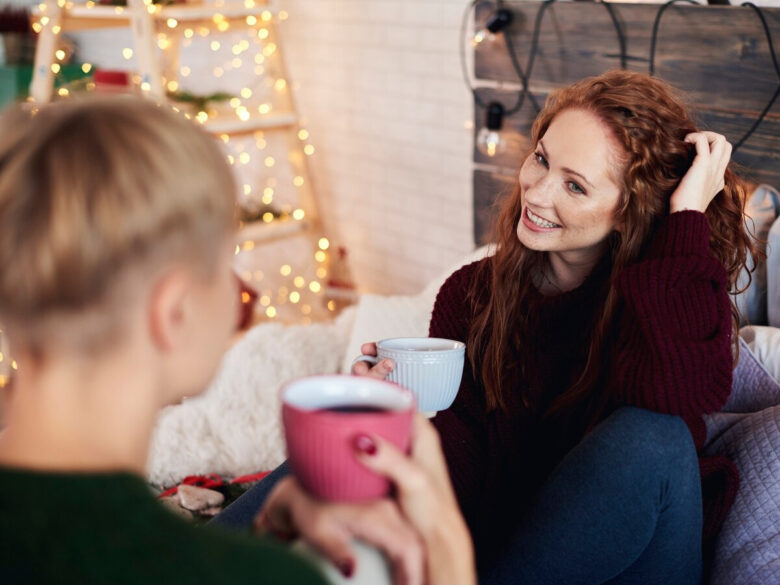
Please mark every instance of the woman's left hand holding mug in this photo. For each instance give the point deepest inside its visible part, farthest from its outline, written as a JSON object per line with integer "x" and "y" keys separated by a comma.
{"x": 379, "y": 370}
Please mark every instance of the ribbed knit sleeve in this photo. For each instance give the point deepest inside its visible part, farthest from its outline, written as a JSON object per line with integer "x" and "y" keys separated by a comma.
{"x": 674, "y": 354}
{"x": 461, "y": 427}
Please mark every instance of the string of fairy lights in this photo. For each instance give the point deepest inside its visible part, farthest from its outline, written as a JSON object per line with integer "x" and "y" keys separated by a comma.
{"x": 490, "y": 140}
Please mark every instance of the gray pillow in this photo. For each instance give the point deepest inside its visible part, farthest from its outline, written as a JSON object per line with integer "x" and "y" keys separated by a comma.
{"x": 748, "y": 548}
{"x": 773, "y": 274}
{"x": 748, "y": 431}
{"x": 761, "y": 209}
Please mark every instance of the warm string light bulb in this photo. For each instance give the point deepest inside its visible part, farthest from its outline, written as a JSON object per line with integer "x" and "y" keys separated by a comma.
{"x": 490, "y": 140}
{"x": 497, "y": 22}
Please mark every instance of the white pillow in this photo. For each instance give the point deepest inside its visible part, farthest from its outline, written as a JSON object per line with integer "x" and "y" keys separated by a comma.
{"x": 773, "y": 274}
{"x": 764, "y": 342}
{"x": 761, "y": 209}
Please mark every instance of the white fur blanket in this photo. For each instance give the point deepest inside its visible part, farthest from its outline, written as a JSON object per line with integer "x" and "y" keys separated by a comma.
{"x": 234, "y": 427}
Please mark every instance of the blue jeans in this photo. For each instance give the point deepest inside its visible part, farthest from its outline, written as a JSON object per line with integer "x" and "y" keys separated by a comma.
{"x": 623, "y": 507}
{"x": 240, "y": 513}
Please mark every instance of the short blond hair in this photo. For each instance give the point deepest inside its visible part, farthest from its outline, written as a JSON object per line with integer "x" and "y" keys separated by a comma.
{"x": 92, "y": 188}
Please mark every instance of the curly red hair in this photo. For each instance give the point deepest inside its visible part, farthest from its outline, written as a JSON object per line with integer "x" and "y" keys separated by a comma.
{"x": 649, "y": 121}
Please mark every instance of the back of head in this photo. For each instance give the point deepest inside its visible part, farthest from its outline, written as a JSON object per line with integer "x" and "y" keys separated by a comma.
{"x": 93, "y": 189}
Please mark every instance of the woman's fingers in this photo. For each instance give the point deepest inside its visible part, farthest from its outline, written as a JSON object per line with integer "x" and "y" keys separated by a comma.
{"x": 427, "y": 500}
{"x": 380, "y": 370}
{"x": 427, "y": 452}
{"x": 289, "y": 511}
{"x": 706, "y": 177}
{"x": 368, "y": 349}
{"x": 423, "y": 488}
{"x": 381, "y": 524}
{"x": 330, "y": 528}
{"x": 424, "y": 473}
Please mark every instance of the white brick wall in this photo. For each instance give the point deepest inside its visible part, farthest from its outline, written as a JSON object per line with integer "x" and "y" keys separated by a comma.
{"x": 379, "y": 87}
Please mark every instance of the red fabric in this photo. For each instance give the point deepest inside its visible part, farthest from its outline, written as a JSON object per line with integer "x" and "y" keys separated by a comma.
{"x": 209, "y": 481}
{"x": 212, "y": 480}
{"x": 671, "y": 353}
{"x": 249, "y": 478}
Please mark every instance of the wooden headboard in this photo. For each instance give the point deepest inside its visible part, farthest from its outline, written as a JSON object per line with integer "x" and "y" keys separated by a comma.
{"x": 717, "y": 56}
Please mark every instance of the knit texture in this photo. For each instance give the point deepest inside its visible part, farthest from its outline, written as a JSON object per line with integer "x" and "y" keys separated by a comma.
{"x": 90, "y": 529}
{"x": 671, "y": 354}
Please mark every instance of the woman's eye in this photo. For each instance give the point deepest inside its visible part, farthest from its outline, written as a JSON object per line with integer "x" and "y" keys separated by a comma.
{"x": 575, "y": 188}
{"x": 538, "y": 157}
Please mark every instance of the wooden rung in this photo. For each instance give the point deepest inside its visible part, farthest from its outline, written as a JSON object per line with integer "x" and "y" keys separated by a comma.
{"x": 233, "y": 126}
{"x": 88, "y": 16}
{"x": 230, "y": 11}
{"x": 258, "y": 231}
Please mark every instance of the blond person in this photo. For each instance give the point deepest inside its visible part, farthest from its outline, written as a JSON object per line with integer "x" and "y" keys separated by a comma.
{"x": 117, "y": 227}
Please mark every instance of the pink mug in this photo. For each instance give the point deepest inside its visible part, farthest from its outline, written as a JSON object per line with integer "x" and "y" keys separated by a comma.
{"x": 322, "y": 416}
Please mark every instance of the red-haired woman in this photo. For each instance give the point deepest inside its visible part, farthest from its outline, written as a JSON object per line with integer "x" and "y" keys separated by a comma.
{"x": 598, "y": 335}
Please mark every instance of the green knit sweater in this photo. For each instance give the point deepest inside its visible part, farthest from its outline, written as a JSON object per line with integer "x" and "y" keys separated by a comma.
{"x": 107, "y": 528}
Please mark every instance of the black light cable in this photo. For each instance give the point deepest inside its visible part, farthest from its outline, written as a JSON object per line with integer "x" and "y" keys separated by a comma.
{"x": 497, "y": 22}
{"x": 771, "y": 102}
{"x": 498, "y": 17}
{"x": 656, "y": 25}
{"x": 619, "y": 31}
{"x": 488, "y": 139}
{"x": 767, "y": 33}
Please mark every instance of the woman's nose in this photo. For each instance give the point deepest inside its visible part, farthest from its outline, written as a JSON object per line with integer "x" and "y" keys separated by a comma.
{"x": 539, "y": 192}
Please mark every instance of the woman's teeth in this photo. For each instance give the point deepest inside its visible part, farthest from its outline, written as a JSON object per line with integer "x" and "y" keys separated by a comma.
{"x": 536, "y": 220}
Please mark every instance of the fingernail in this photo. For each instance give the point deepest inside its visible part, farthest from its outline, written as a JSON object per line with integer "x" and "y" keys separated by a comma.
{"x": 365, "y": 444}
{"x": 347, "y": 567}
{"x": 388, "y": 364}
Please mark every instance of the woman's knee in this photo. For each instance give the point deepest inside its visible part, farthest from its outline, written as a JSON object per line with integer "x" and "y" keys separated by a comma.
{"x": 651, "y": 436}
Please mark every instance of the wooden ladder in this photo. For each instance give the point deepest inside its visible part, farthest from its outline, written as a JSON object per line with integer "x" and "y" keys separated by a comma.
{"x": 281, "y": 251}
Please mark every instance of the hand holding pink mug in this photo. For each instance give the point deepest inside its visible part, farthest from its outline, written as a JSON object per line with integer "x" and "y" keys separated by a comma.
{"x": 324, "y": 416}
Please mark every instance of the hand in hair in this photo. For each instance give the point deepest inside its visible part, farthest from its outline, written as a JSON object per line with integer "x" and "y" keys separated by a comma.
{"x": 705, "y": 179}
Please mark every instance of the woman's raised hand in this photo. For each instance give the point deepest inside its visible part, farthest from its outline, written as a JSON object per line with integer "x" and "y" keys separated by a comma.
{"x": 705, "y": 179}
{"x": 381, "y": 370}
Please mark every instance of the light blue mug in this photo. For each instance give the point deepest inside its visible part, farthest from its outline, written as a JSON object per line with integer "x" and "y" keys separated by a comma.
{"x": 430, "y": 367}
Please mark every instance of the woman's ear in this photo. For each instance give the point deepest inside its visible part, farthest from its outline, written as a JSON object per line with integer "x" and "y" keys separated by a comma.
{"x": 167, "y": 309}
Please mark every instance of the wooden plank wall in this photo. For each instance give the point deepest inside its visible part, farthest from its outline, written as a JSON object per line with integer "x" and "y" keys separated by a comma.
{"x": 717, "y": 56}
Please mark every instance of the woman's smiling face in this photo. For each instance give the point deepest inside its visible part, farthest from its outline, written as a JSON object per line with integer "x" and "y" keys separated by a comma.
{"x": 570, "y": 188}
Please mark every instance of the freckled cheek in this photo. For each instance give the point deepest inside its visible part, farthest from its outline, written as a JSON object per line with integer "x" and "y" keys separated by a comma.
{"x": 529, "y": 176}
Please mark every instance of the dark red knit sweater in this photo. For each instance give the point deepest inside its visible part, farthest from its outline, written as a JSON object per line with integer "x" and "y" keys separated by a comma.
{"x": 671, "y": 354}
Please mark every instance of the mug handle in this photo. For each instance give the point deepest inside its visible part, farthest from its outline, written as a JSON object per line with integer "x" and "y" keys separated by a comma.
{"x": 373, "y": 360}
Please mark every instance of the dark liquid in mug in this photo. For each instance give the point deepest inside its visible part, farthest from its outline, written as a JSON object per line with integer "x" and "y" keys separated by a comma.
{"x": 354, "y": 409}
